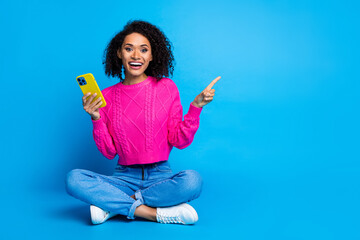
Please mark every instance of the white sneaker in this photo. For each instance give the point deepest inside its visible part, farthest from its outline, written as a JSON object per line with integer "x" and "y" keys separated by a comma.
{"x": 98, "y": 215}
{"x": 182, "y": 213}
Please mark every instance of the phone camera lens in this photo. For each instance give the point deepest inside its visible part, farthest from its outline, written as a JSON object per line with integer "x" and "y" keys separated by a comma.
{"x": 81, "y": 81}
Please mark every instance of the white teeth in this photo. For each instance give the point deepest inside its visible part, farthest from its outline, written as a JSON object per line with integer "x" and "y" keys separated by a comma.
{"x": 135, "y": 64}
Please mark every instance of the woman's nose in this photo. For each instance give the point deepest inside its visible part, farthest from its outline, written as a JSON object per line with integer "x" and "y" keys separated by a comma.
{"x": 135, "y": 54}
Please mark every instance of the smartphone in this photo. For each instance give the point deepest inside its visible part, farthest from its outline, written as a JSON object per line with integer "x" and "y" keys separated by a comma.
{"x": 87, "y": 84}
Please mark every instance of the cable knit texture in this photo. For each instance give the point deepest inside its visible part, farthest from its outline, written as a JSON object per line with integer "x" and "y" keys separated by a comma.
{"x": 142, "y": 122}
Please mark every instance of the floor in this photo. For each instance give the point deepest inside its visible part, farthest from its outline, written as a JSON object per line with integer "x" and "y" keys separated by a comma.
{"x": 261, "y": 207}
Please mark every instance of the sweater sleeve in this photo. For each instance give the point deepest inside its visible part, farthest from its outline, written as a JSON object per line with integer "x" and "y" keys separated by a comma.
{"x": 102, "y": 137}
{"x": 181, "y": 133}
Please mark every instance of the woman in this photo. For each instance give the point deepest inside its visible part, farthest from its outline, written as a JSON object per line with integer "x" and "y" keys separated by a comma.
{"x": 141, "y": 123}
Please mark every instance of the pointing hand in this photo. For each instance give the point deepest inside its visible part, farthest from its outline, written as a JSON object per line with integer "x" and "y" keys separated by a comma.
{"x": 206, "y": 95}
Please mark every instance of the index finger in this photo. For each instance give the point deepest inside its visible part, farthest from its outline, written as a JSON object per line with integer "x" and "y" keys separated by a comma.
{"x": 212, "y": 83}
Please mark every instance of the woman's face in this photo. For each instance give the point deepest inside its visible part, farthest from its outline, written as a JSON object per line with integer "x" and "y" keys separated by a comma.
{"x": 135, "y": 54}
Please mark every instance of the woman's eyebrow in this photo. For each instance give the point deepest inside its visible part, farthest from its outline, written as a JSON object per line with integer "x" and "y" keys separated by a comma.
{"x": 140, "y": 45}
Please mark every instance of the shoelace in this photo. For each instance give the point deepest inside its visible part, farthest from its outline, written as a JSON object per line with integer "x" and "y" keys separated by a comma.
{"x": 170, "y": 219}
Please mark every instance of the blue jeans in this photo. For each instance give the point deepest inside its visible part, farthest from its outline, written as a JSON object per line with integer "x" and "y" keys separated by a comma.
{"x": 154, "y": 185}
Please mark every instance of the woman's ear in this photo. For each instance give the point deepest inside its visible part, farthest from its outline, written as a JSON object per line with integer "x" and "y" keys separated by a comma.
{"x": 118, "y": 53}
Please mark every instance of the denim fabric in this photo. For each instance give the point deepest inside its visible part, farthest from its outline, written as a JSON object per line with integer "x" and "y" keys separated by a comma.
{"x": 154, "y": 185}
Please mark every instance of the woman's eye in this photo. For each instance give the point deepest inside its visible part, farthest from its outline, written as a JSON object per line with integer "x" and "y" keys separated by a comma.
{"x": 144, "y": 50}
{"x": 128, "y": 49}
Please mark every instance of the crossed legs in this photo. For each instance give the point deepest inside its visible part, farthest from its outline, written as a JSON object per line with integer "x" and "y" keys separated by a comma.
{"x": 124, "y": 197}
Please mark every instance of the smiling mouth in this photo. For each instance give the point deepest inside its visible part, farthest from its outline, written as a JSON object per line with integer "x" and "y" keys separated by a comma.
{"x": 135, "y": 65}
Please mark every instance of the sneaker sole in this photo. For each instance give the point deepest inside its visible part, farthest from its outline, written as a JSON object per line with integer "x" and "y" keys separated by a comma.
{"x": 92, "y": 213}
{"x": 192, "y": 210}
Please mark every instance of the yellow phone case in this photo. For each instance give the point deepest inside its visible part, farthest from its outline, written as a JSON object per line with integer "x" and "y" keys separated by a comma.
{"x": 87, "y": 84}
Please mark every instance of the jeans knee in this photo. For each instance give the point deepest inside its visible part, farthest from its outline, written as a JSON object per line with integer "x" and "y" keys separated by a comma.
{"x": 194, "y": 183}
{"x": 72, "y": 180}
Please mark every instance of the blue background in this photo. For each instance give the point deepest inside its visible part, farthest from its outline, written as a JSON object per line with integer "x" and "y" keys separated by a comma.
{"x": 278, "y": 148}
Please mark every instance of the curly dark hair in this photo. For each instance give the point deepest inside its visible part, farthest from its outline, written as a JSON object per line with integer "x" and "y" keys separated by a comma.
{"x": 162, "y": 64}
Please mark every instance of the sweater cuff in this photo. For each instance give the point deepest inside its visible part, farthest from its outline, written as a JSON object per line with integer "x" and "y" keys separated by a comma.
{"x": 97, "y": 123}
{"x": 194, "y": 111}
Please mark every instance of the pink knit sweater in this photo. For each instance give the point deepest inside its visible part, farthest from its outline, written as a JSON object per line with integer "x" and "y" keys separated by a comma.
{"x": 142, "y": 122}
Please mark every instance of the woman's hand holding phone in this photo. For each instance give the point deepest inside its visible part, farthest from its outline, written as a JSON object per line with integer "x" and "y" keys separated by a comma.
{"x": 92, "y": 108}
